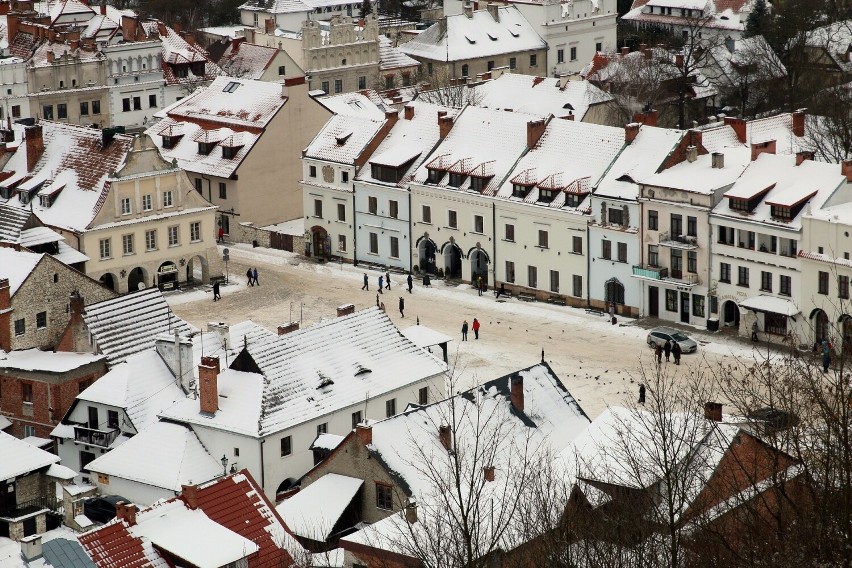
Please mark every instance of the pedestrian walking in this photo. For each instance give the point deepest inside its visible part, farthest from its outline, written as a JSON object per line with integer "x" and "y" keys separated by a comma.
{"x": 476, "y": 328}
{"x": 668, "y": 349}
{"x": 676, "y": 351}
{"x": 387, "y": 280}
{"x": 500, "y": 291}
{"x": 754, "y": 331}
{"x": 250, "y": 277}
{"x": 826, "y": 355}
{"x": 377, "y": 300}
{"x": 254, "y": 273}
{"x": 658, "y": 352}
{"x": 401, "y": 306}
{"x": 410, "y": 283}
{"x": 216, "y": 295}
{"x": 366, "y": 285}
{"x": 381, "y": 283}
{"x": 479, "y": 285}
{"x": 464, "y": 331}
{"x": 221, "y": 236}
{"x": 641, "y": 393}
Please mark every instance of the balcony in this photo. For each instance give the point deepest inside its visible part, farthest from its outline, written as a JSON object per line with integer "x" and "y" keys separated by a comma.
{"x": 678, "y": 241}
{"x": 93, "y": 437}
{"x": 681, "y": 279}
{"x": 650, "y": 272}
{"x": 17, "y": 510}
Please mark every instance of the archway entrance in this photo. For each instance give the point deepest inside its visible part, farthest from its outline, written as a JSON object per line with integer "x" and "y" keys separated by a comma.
{"x": 426, "y": 249}
{"x": 820, "y": 325}
{"x": 137, "y": 279}
{"x": 614, "y": 292}
{"x": 196, "y": 270}
{"x": 109, "y": 281}
{"x": 452, "y": 261}
{"x": 478, "y": 265}
{"x": 731, "y": 314}
{"x": 167, "y": 276}
{"x": 320, "y": 243}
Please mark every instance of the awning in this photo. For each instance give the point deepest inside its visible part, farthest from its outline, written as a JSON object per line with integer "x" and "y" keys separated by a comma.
{"x": 770, "y": 304}
{"x": 424, "y": 337}
{"x": 314, "y": 511}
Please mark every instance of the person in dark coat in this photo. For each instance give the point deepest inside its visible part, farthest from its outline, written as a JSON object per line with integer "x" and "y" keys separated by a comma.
{"x": 250, "y": 277}
{"x": 410, "y": 283}
{"x": 479, "y": 285}
{"x": 366, "y": 285}
{"x": 500, "y": 290}
{"x": 381, "y": 283}
{"x": 256, "y": 281}
{"x": 676, "y": 351}
{"x": 401, "y": 306}
{"x": 826, "y": 356}
{"x": 641, "y": 393}
{"x": 668, "y": 349}
{"x": 658, "y": 353}
{"x": 476, "y": 328}
{"x": 216, "y": 295}
{"x": 464, "y": 331}
{"x": 387, "y": 280}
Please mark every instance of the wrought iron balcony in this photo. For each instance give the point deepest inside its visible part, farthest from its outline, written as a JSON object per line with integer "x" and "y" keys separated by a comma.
{"x": 678, "y": 241}
{"x": 650, "y": 272}
{"x": 684, "y": 279}
{"x": 95, "y": 437}
{"x": 16, "y": 510}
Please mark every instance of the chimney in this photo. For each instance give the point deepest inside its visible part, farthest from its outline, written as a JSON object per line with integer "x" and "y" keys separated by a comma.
{"x": 364, "y": 433}
{"x": 445, "y": 124}
{"x": 535, "y": 129}
{"x": 467, "y": 9}
{"x": 799, "y": 123}
{"x": 222, "y": 332}
{"x": 411, "y": 513}
{"x": 631, "y": 131}
{"x": 679, "y": 60}
{"x": 288, "y": 327}
{"x": 208, "y": 384}
{"x": 648, "y": 117}
{"x": 758, "y": 148}
{"x": 444, "y": 437}
{"x": 31, "y": 547}
{"x": 74, "y": 44}
{"x": 177, "y": 27}
{"x": 409, "y": 112}
{"x": 691, "y": 153}
{"x": 5, "y": 315}
{"x": 190, "y": 495}
{"x": 51, "y": 57}
{"x": 625, "y": 50}
{"x": 391, "y": 116}
{"x": 103, "y": 8}
{"x": 345, "y": 310}
{"x": 269, "y": 26}
{"x": 488, "y": 472}
{"x": 126, "y": 512}
{"x": 845, "y": 169}
{"x": 129, "y": 26}
{"x": 494, "y": 10}
{"x": 713, "y": 411}
{"x": 739, "y": 126}
{"x": 803, "y": 155}
{"x": 718, "y": 160}
{"x": 4, "y": 7}
{"x": 188, "y": 37}
{"x": 517, "y": 392}
{"x": 235, "y": 43}
{"x": 12, "y": 26}
{"x": 34, "y": 144}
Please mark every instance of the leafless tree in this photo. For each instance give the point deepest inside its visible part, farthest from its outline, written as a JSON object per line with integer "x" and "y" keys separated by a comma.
{"x": 442, "y": 89}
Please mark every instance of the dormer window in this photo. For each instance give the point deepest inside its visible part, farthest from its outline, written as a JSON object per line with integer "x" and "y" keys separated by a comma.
{"x": 6, "y": 192}
{"x": 170, "y": 142}
{"x": 479, "y": 183}
{"x": 435, "y": 176}
{"x": 206, "y": 147}
{"x": 739, "y": 204}
{"x": 231, "y": 87}
{"x": 456, "y": 180}
{"x": 781, "y": 213}
{"x": 521, "y": 190}
{"x": 574, "y": 199}
{"x": 230, "y": 152}
{"x": 546, "y": 195}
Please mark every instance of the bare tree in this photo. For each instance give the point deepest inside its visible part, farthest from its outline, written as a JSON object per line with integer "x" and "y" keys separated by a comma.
{"x": 442, "y": 89}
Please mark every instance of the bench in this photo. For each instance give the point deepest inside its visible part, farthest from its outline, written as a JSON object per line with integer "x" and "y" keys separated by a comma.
{"x": 219, "y": 279}
{"x": 526, "y": 297}
{"x": 596, "y": 311}
{"x": 556, "y": 300}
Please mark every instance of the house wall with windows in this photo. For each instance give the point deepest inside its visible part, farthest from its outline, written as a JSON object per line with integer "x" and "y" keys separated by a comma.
{"x": 328, "y": 208}
{"x": 382, "y": 228}
{"x": 79, "y": 447}
{"x": 65, "y": 83}
{"x": 614, "y": 247}
{"x": 136, "y": 83}
{"x": 14, "y": 89}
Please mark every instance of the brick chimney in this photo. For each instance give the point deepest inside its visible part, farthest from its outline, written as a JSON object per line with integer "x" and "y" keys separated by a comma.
{"x": 679, "y": 60}
{"x": 802, "y": 156}
{"x": 12, "y": 26}
{"x": 364, "y": 433}
{"x": 188, "y": 37}
{"x": 103, "y": 8}
{"x": 4, "y": 7}
{"x": 648, "y": 118}
{"x": 758, "y": 148}
{"x": 34, "y": 145}
{"x": 444, "y": 437}
{"x": 535, "y": 129}
{"x": 51, "y": 57}
{"x": 391, "y": 116}
{"x": 718, "y": 160}
{"x": 190, "y": 495}
{"x": 799, "y": 123}
{"x": 126, "y": 512}
{"x": 713, "y": 411}
{"x": 517, "y": 392}
{"x": 409, "y": 112}
{"x": 269, "y": 26}
{"x": 345, "y": 310}
{"x": 208, "y": 384}
{"x": 288, "y": 327}
{"x": 845, "y": 169}
{"x": 5, "y": 315}
{"x": 631, "y": 131}
{"x": 739, "y": 126}
{"x": 130, "y": 25}
{"x": 488, "y": 472}
{"x": 235, "y": 43}
{"x": 177, "y": 27}
{"x": 445, "y": 124}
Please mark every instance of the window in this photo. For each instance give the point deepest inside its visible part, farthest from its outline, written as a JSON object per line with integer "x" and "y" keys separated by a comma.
{"x": 41, "y": 319}
{"x": 106, "y": 249}
{"x": 653, "y": 221}
{"x": 390, "y": 407}
{"x": 692, "y": 262}
{"x": 560, "y": 55}
{"x": 84, "y": 108}
{"x": 356, "y": 418}
{"x": 286, "y": 446}
{"x": 513, "y": 63}
{"x": 606, "y": 249}
{"x": 126, "y": 206}
{"x": 622, "y": 252}
{"x": 112, "y": 418}
{"x": 726, "y": 235}
{"x": 490, "y": 65}
{"x": 341, "y": 212}
{"x": 452, "y": 220}
{"x": 198, "y": 180}
{"x": 742, "y": 278}
{"x": 125, "y": 105}
{"x": 554, "y": 281}
{"x": 384, "y": 496}
{"x": 61, "y": 111}
{"x": 282, "y": 70}
{"x": 671, "y": 300}
{"x": 423, "y": 395}
{"x": 698, "y": 306}
{"x": 653, "y": 255}
{"x": 344, "y": 177}
{"x": 322, "y": 428}
{"x": 325, "y": 87}
{"x": 317, "y": 208}
{"x": 676, "y": 225}
{"x": 616, "y": 216}
{"x": 578, "y": 285}
{"x": 426, "y": 214}
{"x": 725, "y": 272}
{"x": 542, "y": 238}
{"x": 766, "y": 281}
{"x": 389, "y": 81}
{"x": 843, "y": 287}
{"x": 532, "y": 276}
{"x": 152, "y": 101}
{"x": 692, "y": 226}
{"x": 823, "y": 282}
{"x": 127, "y": 244}
{"x": 231, "y": 87}
{"x": 151, "y": 240}
{"x": 573, "y": 54}
{"x": 341, "y": 243}
{"x": 223, "y": 190}
{"x": 478, "y": 224}
{"x": 338, "y": 85}
{"x": 394, "y": 209}
{"x": 195, "y": 232}
{"x": 510, "y": 272}
{"x": 533, "y": 60}
{"x": 394, "y": 246}
{"x": 598, "y": 46}
{"x": 174, "y": 237}
{"x": 20, "y": 327}
{"x": 785, "y": 286}
{"x": 167, "y": 199}
{"x": 85, "y": 459}
{"x": 362, "y": 82}
{"x": 27, "y": 392}
{"x": 96, "y": 107}
{"x": 428, "y": 68}
{"x": 146, "y": 202}
{"x": 465, "y": 70}
{"x": 577, "y": 245}
{"x": 16, "y": 111}
{"x": 373, "y": 205}
{"x": 374, "y": 243}
{"x": 29, "y": 430}
{"x": 137, "y": 103}
{"x": 312, "y": 171}
{"x": 510, "y": 232}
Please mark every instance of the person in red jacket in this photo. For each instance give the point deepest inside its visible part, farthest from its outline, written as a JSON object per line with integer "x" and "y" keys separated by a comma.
{"x": 476, "y": 328}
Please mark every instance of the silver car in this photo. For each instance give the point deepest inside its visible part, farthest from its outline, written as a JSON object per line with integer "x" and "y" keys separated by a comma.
{"x": 659, "y": 336}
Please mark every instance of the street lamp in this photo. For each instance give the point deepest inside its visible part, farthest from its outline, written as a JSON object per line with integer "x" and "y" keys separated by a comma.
{"x": 224, "y": 461}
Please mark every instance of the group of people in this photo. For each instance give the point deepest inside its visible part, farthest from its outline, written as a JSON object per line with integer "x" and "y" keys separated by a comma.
{"x": 385, "y": 282}
{"x": 670, "y": 348}
{"x": 251, "y": 274}
{"x": 475, "y": 328}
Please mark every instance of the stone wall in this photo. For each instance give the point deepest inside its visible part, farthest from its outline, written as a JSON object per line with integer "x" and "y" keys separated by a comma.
{"x": 247, "y": 233}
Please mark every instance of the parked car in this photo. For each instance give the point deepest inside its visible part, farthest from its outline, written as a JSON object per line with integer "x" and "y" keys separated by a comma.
{"x": 102, "y": 509}
{"x": 659, "y": 336}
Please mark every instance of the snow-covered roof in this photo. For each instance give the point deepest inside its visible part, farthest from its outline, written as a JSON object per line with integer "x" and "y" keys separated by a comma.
{"x": 181, "y": 458}
{"x": 752, "y": 57}
{"x": 290, "y": 6}
{"x": 61, "y": 472}
{"x": 700, "y": 176}
{"x": 721, "y": 14}
{"x": 70, "y": 12}
{"x": 774, "y": 304}
{"x": 130, "y": 323}
{"x": 392, "y": 57}
{"x": 246, "y": 60}
{"x": 362, "y": 103}
{"x": 343, "y": 138}
{"x": 20, "y": 458}
{"x": 225, "y": 341}
{"x": 45, "y": 361}
{"x": 326, "y": 441}
{"x": 636, "y": 161}
{"x": 314, "y": 511}
{"x": 836, "y": 39}
{"x": 17, "y": 266}
{"x": 476, "y": 37}
{"x": 12, "y": 223}
{"x": 424, "y": 337}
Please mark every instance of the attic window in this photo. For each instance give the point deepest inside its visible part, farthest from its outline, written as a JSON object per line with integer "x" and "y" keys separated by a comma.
{"x": 479, "y": 183}
{"x": 456, "y": 180}
{"x": 170, "y": 141}
{"x": 470, "y": 41}
{"x": 231, "y": 87}
{"x": 493, "y": 38}
{"x": 230, "y": 152}
{"x": 739, "y": 204}
{"x": 361, "y": 370}
{"x": 343, "y": 137}
{"x": 568, "y": 106}
{"x": 546, "y": 195}
{"x": 520, "y": 190}
{"x": 324, "y": 380}
{"x": 206, "y": 147}
{"x": 435, "y": 175}
{"x": 514, "y": 33}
